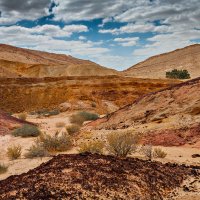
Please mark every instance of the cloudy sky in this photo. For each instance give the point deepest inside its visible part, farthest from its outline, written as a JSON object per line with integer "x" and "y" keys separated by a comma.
{"x": 113, "y": 33}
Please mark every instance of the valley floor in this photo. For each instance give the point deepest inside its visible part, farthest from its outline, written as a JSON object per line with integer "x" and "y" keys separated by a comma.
{"x": 181, "y": 155}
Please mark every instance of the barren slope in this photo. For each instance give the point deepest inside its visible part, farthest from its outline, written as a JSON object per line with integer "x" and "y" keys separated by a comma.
{"x": 169, "y": 117}
{"x": 97, "y": 177}
{"x": 155, "y": 67}
{"x": 17, "y": 62}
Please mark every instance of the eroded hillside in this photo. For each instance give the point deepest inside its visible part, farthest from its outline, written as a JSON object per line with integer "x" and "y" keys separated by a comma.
{"x": 103, "y": 94}
{"x": 168, "y": 117}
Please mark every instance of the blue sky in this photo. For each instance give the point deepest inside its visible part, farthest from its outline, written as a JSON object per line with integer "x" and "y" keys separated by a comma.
{"x": 113, "y": 33}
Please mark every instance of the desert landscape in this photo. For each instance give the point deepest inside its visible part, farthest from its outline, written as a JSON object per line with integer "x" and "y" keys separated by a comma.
{"x": 99, "y": 100}
{"x": 84, "y": 112}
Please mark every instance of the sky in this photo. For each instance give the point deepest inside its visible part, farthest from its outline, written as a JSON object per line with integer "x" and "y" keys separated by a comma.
{"x": 113, "y": 33}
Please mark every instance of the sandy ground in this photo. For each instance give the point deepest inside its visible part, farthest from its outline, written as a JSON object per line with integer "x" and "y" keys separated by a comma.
{"x": 48, "y": 124}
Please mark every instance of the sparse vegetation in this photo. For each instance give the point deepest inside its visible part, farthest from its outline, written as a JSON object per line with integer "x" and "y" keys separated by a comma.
{"x": 122, "y": 144}
{"x": 46, "y": 112}
{"x": 159, "y": 153}
{"x": 26, "y": 131}
{"x": 178, "y": 74}
{"x": 60, "y": 124}
{"x": 147, "y": 150}
{"x": 74, "y": 128}
{"x": 80, "y": 117}
{"x": 3, "y": 168}
{"x": 36, "y": 151}
{"x": 22, "y": 116}
{"x": 14, "y": 152}
{"x": 151, "y": 153}
{"x": 92, "y": 147}
{"x": 55, "y": 143}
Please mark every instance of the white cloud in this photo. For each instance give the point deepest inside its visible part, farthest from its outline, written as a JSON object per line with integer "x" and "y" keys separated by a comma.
{"x": 129, "y": 41}
{"x": 82, "y": 37}
{"x": 42, "y": 38}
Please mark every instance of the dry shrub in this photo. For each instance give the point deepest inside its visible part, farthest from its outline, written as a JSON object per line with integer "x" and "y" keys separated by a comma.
{"x": 26, "y": 131}
{"x": 36, "y": 151}
{"x": 22, "y": 116}
{"x": 14, "y": 152}
{"x": 60, "y": 124}
{"x": 72, "y": 129}
{"x": 147, "y": 150}
{"x": 159, "y": 153}
{"x": 122, "y": 144}
{"x": 55, "y": 143}
{"x": 81, "y": 117}
{"x": 3, "y": 168}
{"x": 92, "y": 147}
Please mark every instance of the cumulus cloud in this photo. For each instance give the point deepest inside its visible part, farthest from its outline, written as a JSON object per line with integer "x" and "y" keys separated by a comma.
{"x": 43, "y": 38}
{"x": 129, "y": 41}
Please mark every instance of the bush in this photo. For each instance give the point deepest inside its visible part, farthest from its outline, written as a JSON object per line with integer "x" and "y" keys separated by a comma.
{"x": 3, "y": 168}
{"x": 178, "y": 74}
{"x": 22, "y": 116}
{"x": 55, "y": 143}
{"x": 74, "y": 128}
{"x": 80, "y": 117}
{"x": 147, "y": 150}
{"x": 91, "y": 147}
{"x": 122, "y": 143}
{"x": 36, "y": 151}
{"x": 46, "y": 112}
{"x": 159, "y": 153}
{"x": 87, "y": 116}
{"x": 26, "y": 131}
{"x": 14, "y": 152}
{"x": 60, "y": 124}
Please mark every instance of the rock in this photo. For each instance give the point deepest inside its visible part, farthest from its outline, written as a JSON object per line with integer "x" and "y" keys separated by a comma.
{"x": 63, "y": 107}
{"x": 195, "y": 155}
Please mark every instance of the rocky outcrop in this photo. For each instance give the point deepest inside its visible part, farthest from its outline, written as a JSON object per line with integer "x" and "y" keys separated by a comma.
{"x": 97, "y": 177}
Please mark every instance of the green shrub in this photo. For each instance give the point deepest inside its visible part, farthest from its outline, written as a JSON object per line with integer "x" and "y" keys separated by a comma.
{"x": 80, "y": 117}
{"x": 26, "y": 131}
{"x": 74, "y": 128}
{"x": 14, "y": 152}
{"x": 159, "y": 153}
{"x": 46, "y": 112}
{"x": 22, "y": 116}
{"x": 36, "y": 151}
{"x": 3, "y": 168}
{"x": 54, "y": 112}
{"x": 55, "y": 143}
{"x": 60, "y": 124}
{"x": 87, "y": 116}
{"x": 122, "y": 144}
{"x": 91, "y": 147}
{"x": 178, "y": 74}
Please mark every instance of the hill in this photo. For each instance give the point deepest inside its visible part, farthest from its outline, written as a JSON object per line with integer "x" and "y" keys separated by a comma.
{"x": 156, "y": 67}
{"x": 167, "y": 117}
{"x": 19, "y": 62}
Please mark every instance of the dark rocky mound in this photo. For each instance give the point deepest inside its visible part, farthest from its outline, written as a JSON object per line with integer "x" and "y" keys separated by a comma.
{"x": 96, "y": 177}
